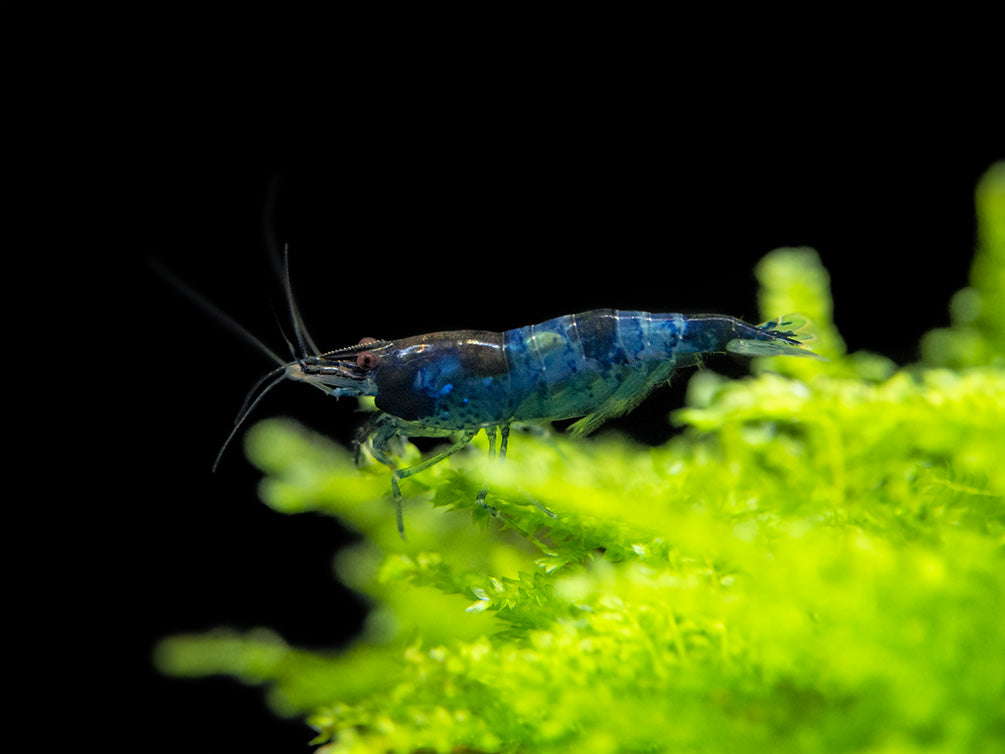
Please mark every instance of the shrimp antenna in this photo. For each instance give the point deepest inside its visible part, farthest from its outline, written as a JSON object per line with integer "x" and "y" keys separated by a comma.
{"x": 249, "y": 405}
{"x": 299, "y": 328}
{"x": 281, "y": 267}
{"x": 257, "y": 392}
{"x": 215, "y": 312}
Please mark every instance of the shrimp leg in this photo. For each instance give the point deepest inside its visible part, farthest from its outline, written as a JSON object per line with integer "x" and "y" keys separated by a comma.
{"x": 490, "y": 433}
{"x": 383, "y": 433}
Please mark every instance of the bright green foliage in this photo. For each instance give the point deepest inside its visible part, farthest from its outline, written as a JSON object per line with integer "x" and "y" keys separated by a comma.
{"x": 815, "y": 564}
{"x": 978, "y": 311}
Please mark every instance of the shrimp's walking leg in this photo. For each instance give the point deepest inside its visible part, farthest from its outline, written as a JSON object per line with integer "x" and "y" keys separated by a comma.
{"x": 504, "y": 431}
{"x": 490, "y": 432}
{"x": 400, "y": 474}
{"x": 503, "y": 442}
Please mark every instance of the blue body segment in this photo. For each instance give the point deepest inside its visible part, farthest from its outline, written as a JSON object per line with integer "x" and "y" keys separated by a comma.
{"x": 566, "y": 367}
{"x": 570, "y": 366}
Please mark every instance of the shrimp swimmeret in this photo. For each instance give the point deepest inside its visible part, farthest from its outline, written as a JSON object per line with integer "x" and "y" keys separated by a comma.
{"x": 595, "y": 365}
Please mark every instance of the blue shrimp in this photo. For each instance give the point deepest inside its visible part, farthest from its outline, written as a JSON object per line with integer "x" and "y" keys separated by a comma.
{"x": 596, "y": 365}
{"x": 592, "y": 366}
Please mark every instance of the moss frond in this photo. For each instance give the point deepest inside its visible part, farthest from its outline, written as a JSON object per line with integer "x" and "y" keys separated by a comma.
{"x": 977, "y": 334}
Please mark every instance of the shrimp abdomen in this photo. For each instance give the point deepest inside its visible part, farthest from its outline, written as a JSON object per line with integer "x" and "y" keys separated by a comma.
{"x": 598, "y": 361}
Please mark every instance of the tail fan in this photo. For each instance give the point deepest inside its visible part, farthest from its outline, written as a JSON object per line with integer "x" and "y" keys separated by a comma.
{"x": 785, "y": 336}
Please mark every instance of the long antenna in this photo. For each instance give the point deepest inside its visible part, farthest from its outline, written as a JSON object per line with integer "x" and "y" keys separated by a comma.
{"x": 249, "y": 406}
{"x": 215, "y": 312}
{"x": 281, "y": 266}
{"x": 257, "y": 392}
{"x": 299, "y": 328}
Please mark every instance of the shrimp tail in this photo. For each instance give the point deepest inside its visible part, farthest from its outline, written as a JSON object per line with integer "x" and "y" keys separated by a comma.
{"x": 784, "y": 336}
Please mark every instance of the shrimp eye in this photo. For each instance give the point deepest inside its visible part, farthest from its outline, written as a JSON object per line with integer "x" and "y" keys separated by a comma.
{"x": 366, "y": 341}
{"x": 366, "y": 360}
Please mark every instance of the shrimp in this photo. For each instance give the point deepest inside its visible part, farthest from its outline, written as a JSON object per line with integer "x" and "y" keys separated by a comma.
{"x": 597, "y": 365}
{"x": 591, "y": 366}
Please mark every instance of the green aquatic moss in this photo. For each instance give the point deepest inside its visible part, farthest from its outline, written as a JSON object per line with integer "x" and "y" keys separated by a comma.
{"x": 977, "y": 334}
{"x": 816, "y": 563}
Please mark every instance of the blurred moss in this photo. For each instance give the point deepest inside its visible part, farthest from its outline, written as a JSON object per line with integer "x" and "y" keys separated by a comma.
{"x": 977, "y": 313}
{"x": 815, "y": 564}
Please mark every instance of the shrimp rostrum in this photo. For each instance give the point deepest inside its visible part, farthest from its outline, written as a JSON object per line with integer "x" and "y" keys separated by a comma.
{"x": 592, "y": 366}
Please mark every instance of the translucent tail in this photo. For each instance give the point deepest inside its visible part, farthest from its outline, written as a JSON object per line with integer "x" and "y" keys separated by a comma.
{"x": 785, "y": 336}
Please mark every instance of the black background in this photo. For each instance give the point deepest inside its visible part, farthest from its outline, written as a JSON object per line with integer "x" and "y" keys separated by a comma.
{"x": 428, "y": 205}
